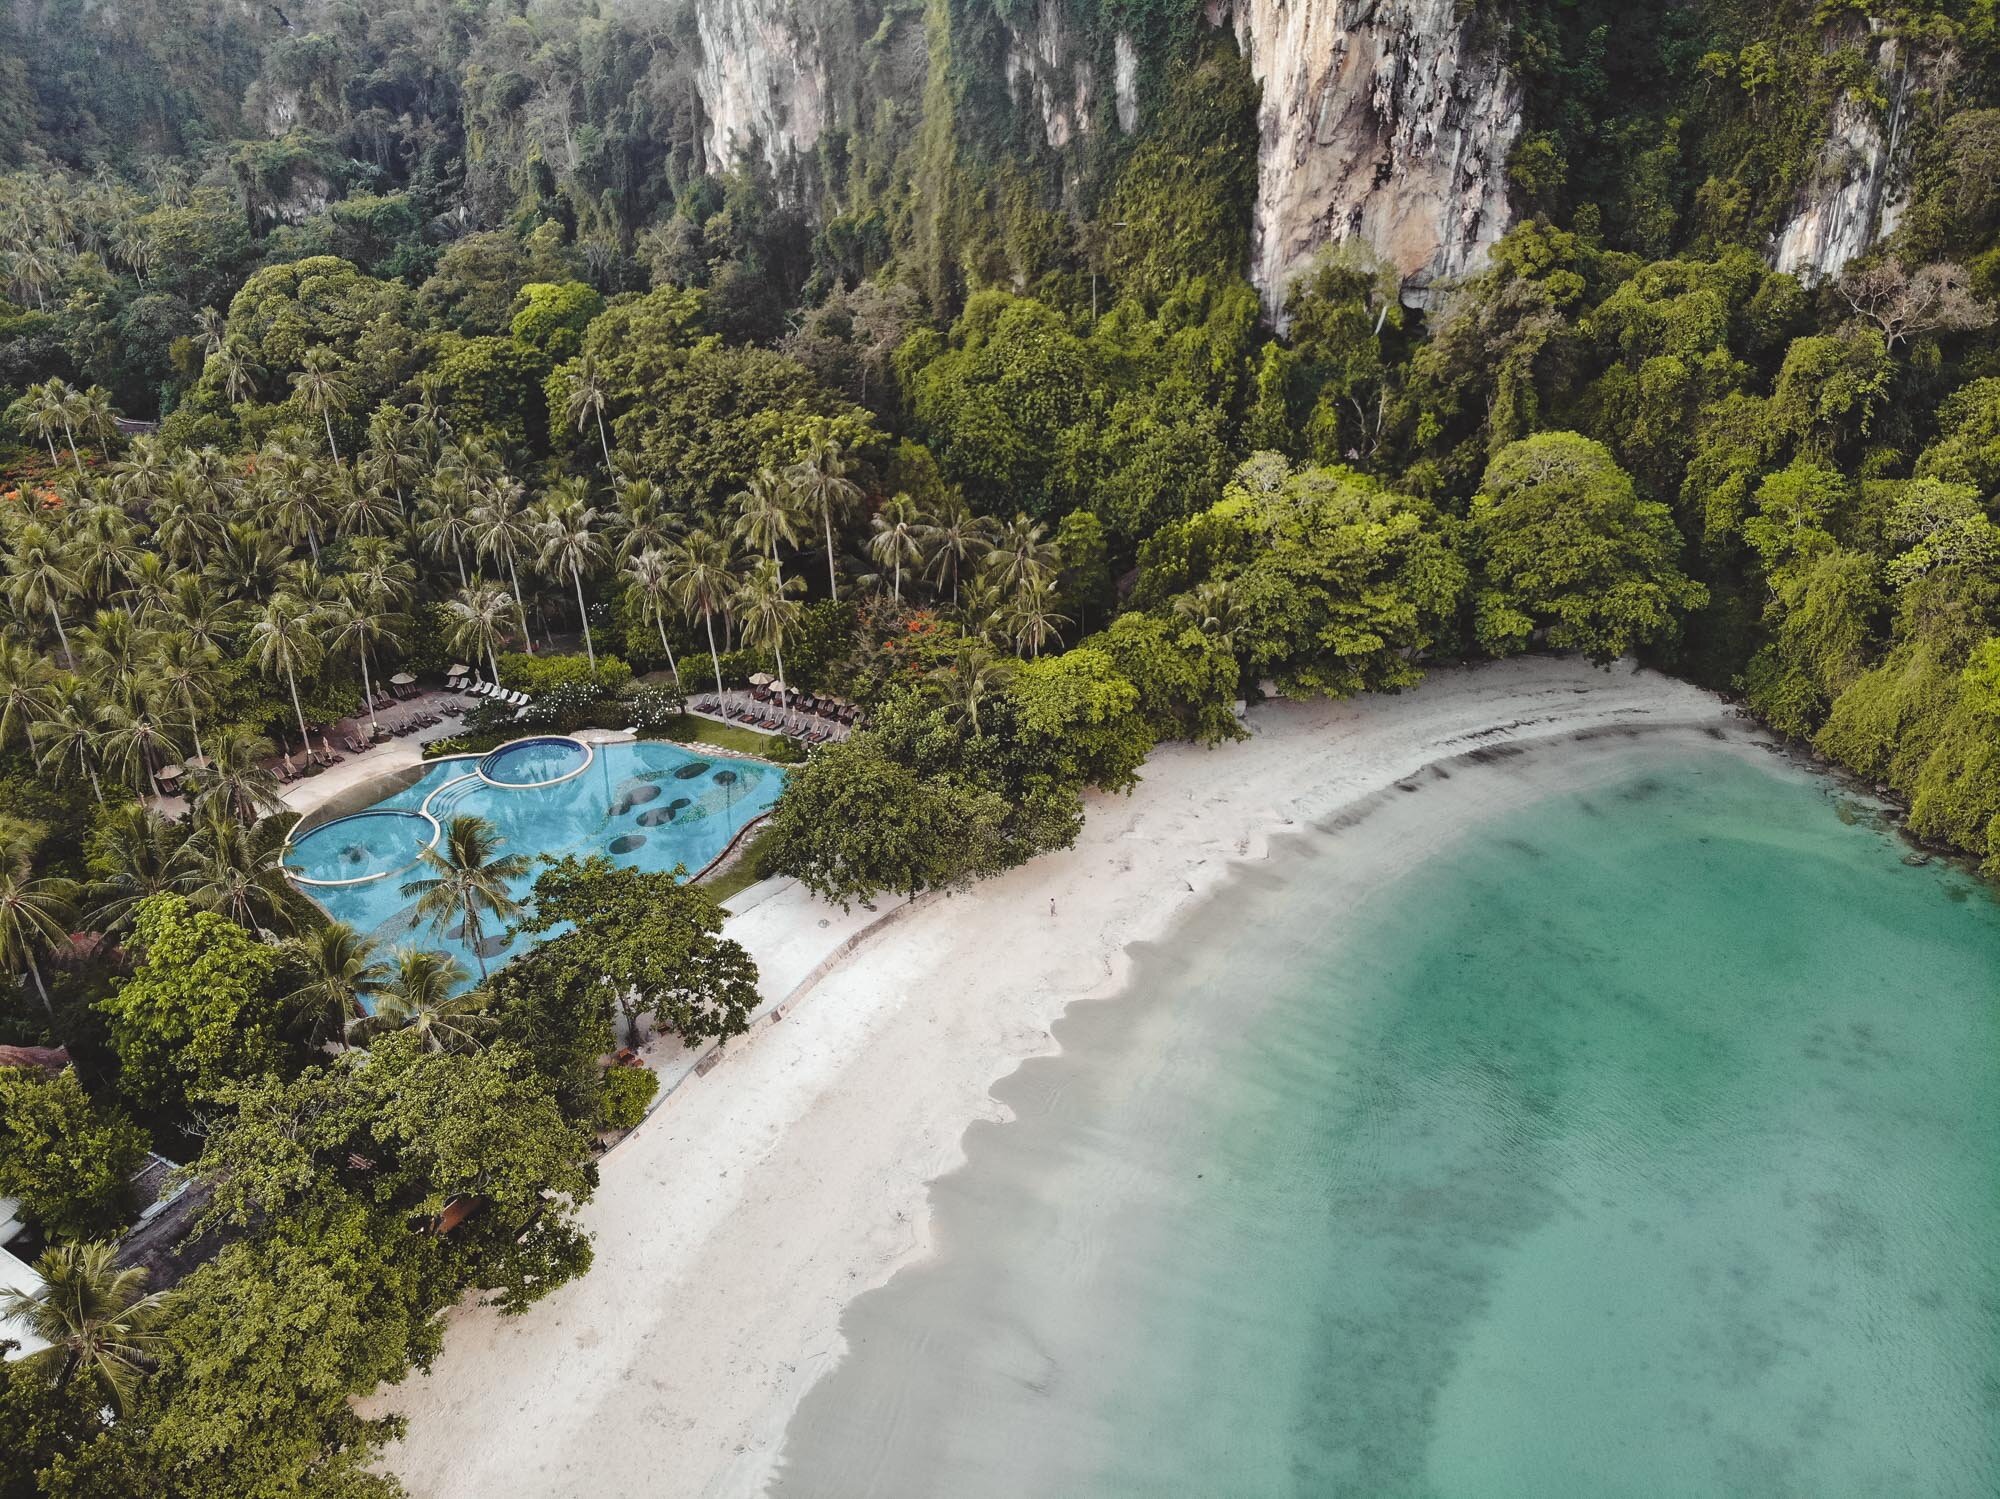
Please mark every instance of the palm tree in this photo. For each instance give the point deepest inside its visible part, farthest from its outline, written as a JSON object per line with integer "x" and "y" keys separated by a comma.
{"x": 499, "y": 527}
{"x": 897, "y": 539}
{"x": 342, "y": 974}
{"x": 236, "y": 779}
{"x": 135, "y": 739}
{"x": 394, "y": 457}
{"x": 586, "y": 400}
{"x": 973, "y": 676}
{"x": 468, "y": 875}
{"x": 767, "y": 514}
{"x": 322, "y": 390}
{"x": 444, "y": 524}
{"x": 65, "y": 738}
{"x": 823, "y": 482}
{"x": 1211, "y": 609}
{"x": 182, "y": 670}
{"x": 1031, "y": 615}
{"x": 1022, "y": 553}
{"x": 702, "y": 574}
{"x": 421, "y": 996}
{"x": 570, "y": 546}
{"x": 284, "y": 640}
{"x": 650, "y": 576}
{"x": 136, "y": 848}
{"x": 365, "y": 508}
{"x": 358, "y": 618}
{"x": 232, "y": 868}
{"x": 239, "y": 369}
{"x": 643, "y": 522}
{"x": 99, "y": 1321}
{"x": 25, "y": 692}
{"x": 956, "y": 538}
{"x": 211, "y": 326}
{"x": 767, "y": 612}
{"x": 40, "y": 578}
{"x": 34, "y": 916}
{"x": 478, "y": 613}
{"x": 102, "y": 547}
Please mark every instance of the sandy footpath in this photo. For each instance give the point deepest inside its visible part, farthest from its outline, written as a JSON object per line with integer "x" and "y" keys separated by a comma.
{"x": 733, "y": 1227}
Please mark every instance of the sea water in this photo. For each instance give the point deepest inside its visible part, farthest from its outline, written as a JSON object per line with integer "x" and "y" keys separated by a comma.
{"x": 1641, "y": 1139}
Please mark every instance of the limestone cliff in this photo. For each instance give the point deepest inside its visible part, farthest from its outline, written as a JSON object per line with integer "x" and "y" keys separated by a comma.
{"x": 1387, "y": 120}
{"x": 1382, "y": 120}
{"x": 1857, "y": 189}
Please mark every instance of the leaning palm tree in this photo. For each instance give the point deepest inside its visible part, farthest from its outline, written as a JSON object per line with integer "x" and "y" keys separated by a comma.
{"x": 478, "y": 615}
{"x": 586, "y": 400}
{"x": 342, "y": 973}
{"x": 284, "y": 641}
{"x": 898, "y": 539}
{"x": 650, "y": 577}
{"x": 467, "y": 875}
{"x": 701, "y": 571}
{"x": 41, "y": 577}
{"x": 322, "y": 390}
{"x": 34, "y": 918}
{"x": 767, "y": 612}
{"x": 570, "y": 545}
{"x": 421, "y": 996}
{"x": 99, "y": 1321}
{"x": 821, "y": 480}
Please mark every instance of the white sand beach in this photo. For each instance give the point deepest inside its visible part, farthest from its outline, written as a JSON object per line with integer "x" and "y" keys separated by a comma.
{"x": 733, "y": 1227}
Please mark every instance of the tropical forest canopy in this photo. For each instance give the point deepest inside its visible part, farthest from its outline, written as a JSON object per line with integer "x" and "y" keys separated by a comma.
{"x": 460, "y": 345}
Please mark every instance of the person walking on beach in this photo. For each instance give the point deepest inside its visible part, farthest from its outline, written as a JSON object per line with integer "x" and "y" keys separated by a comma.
{"x": 1052, "y": 905}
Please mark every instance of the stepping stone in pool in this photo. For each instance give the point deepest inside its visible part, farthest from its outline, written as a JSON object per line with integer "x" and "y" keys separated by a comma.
{"x": 725, "y": 778}
{"x": 655, "y": 817}
{"x": 678, "y": 802}
{"x": 638, "y": 796}
{"x": 692, "y": 769}
{"x": 625, "y": 843}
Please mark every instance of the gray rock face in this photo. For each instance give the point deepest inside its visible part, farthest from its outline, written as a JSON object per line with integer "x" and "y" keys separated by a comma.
{"x": 1381, "y": 121}
{"x": 1860, "y": 181}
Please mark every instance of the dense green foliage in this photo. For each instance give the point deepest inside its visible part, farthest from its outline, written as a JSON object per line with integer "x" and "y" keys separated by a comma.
{"x": 461, "y": 347}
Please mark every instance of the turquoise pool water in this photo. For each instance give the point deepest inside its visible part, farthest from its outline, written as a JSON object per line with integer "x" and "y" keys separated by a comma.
{"x": 1642, "y": 1140}
{"x": 650, "y": 805}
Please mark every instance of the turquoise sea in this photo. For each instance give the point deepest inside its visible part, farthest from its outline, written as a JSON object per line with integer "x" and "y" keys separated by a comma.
{"x": 1642, "y": 1138}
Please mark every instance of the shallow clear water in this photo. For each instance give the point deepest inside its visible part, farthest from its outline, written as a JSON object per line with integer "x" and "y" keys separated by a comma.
{"x": 650, "y": 805}
{"x": 1639, "y": 1141}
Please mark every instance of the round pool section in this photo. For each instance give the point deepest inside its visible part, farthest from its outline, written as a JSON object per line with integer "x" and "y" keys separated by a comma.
{"x": 365, "y": 846}
{"x": 527, "y": 763}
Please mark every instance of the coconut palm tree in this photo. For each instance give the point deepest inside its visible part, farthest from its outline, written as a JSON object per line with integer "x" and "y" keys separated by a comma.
{"x": 99, "y": 1321}
{"x": 41, "y": 577}
{"x": 102, "y": 549}
{"x": 65, "y": 737}
{"x": 1021, "y": 553}
{"x": 1031, "y": 617}
{"x": 955, "y": 540}
{"x": 26, "y": 683}
{"x": 478, "y": 616}
{"x": 35, "y": 916}
{"x": 284, "y": 641}
{"x": 767, "y": 513}
{"x": 358, "y": 618}
{"x": 974, "y": 675}
{"x": 898, "y": 539}
{"x": 444, "y": 524}
{"x": 701, "y": 572}
{"x": 570, "y": 545}
{"x": 322, "y": 390}
{"x": 232, "y": 868}
{"x": 421, "y": 996}
{"x": 236, "y": 779}
{"x": 395, "y": 458}
{"x": 239, "y": 372}
{"x": 643, "y": 522}
{"x": 467, "y": 875}
{"x": 342, "y": 973}
{"x": 650, "y": 576}
{"x": 586, "y": 400}
{"x": 210, "y": 328}
{"x": 182, "y": 670}
{"x": 767, "y": 613}
{"x": 362, "y": 507}
{"x": 500, "y": 530}
{"x": 135, "y": 739}
{"x": 821, "y": 480}
{"x": 136, "y": 849}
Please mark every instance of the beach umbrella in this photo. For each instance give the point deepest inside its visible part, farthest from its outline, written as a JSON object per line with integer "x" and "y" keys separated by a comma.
{"x": 760, "y": 679}
{"x": 200, "y": 762}
{"x": 402, "y": 679}
{"x": 458, "y": 669}
{"x": 170, "y": 772}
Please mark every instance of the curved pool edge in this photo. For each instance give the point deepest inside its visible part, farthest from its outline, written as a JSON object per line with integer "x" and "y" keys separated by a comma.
{"x": 421, "y": 813}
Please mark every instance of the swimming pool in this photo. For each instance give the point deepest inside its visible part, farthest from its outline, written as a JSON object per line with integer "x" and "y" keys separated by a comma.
{"x": 650, "y": 805}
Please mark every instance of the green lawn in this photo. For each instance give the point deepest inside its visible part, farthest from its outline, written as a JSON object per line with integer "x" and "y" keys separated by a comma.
{"x": 687, "y": 727}
{"x": 741, "y": 872}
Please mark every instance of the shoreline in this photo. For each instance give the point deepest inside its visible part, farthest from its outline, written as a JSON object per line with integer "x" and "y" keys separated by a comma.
{"x": 734, "y": 1227}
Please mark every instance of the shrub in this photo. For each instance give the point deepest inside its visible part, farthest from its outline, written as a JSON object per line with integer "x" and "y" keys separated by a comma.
{"x": 538, "y": 674}
{"x": 655, "y": 706}
{"x": 627, "y": 1093}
